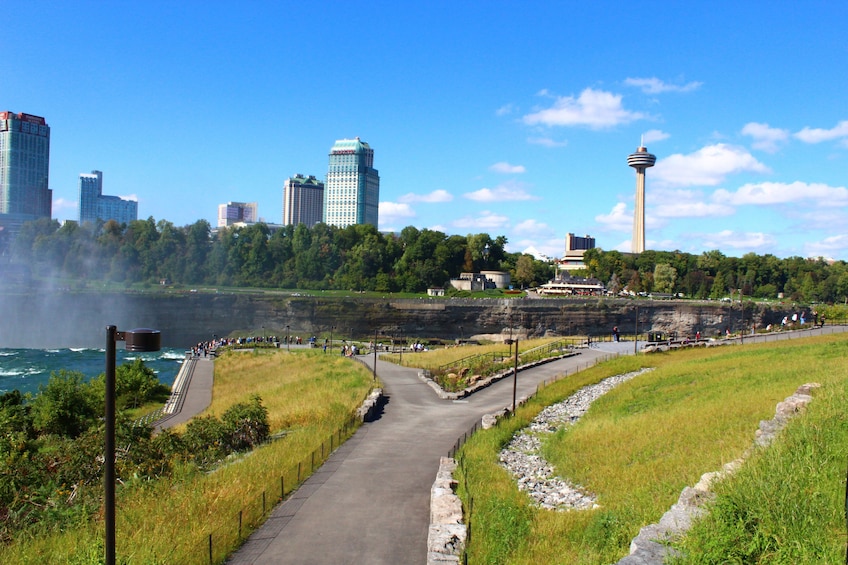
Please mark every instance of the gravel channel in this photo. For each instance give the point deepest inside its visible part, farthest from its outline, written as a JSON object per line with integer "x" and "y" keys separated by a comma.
{"x": 523, "y": 455}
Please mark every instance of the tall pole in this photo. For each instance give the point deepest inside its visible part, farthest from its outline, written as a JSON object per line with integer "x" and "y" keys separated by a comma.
{"x": 636, "y": 336}
{"x": 515, "y": 377}
{"x": 109, "y": 453}
{"x": 375, "y": 355}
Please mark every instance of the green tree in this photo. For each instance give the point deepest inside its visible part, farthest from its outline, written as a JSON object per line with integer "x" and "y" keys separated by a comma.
{"x": 65, "y": 406}
{"x": 665, "y": 277}
{"x": 719, "y": 288}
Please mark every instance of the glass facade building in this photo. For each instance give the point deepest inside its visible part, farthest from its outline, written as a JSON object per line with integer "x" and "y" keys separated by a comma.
{"x": 352, "y": 190}
{"x": 24, "y": 169}
{"x": 303, "y": 201}
{"x": 237, "y": 213}
{"x": 94, "y": 205}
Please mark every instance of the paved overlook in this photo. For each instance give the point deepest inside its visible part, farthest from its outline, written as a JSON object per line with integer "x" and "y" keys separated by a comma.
{"x": 369, "y": 503}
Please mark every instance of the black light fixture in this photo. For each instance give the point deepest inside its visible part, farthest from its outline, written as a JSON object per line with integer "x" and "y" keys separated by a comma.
{"x": 135, "y": 340}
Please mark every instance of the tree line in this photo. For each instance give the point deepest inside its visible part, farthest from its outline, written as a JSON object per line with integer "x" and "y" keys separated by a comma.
{"x": 715, "y": 275}
{"x": 357, "y": 257}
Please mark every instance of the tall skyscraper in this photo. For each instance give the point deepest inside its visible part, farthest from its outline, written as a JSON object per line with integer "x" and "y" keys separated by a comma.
{"x": 24, "y": 169}
{"x": 303, "y": 201}
{"x": 352, "y": 191}
{"x": 237, "y": 212}
{"x": 94, "y": 205}
{"x": 640, "y": 161}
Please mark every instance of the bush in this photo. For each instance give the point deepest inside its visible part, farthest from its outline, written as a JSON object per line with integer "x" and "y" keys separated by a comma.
{"x": 65, "y": 406}
{"x": 246, "y": 425}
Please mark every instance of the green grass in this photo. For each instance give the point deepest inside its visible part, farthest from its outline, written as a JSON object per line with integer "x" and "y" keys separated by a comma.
{"x": 642, "y": 443}
{"x": 307, "y": 394}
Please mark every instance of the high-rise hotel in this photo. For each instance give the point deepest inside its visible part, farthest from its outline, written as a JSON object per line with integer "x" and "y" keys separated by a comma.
{"x": 24, "y": 169}
{"x": 303, "y": 201}
{"x": 352, "y": 190}
{"x": 94, "y": 205}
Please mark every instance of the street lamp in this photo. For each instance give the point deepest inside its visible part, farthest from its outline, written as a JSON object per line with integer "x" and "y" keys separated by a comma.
{"x": 636, "y": 336}
{"x": 136, "y": 340}
{"x": 288, "y": 340}
{"x": 514, "y": 374}
{"x": 486, "y": 254}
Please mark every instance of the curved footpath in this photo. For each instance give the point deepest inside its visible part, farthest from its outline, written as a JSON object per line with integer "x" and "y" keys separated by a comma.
{"x": 370, "y": 502}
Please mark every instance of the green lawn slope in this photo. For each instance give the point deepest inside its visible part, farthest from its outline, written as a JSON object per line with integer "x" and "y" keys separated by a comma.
{"x": 642, "y": 443}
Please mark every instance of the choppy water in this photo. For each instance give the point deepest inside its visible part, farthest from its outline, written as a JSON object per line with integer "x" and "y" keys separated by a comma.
{"x": 26, "y": 369}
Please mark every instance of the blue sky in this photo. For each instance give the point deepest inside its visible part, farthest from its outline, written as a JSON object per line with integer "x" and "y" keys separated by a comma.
{"x": 508, "y": 118}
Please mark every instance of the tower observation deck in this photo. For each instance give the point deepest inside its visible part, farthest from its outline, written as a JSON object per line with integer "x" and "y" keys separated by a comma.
{"x": 640, "y": 160}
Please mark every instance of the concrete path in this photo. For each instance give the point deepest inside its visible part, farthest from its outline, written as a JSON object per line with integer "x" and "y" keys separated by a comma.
{"x": 192, "y": 392}
{"x": 369, "y": 503}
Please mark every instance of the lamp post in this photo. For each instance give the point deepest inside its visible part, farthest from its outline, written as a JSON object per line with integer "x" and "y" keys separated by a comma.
{"x": 136, "y": 340}
{"x": 288, "y": 339}
{"x": 514, "y": 375}
{"x": 375, "y": 355}
{"x": 636, "y": 336}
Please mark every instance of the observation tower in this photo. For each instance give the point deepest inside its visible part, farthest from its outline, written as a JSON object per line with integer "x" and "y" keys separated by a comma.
{"x": 640, "y": 161}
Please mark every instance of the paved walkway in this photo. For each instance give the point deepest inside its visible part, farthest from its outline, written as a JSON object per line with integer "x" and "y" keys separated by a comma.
{"x": 192, "y": 392}
{"x": 370, "y": 502}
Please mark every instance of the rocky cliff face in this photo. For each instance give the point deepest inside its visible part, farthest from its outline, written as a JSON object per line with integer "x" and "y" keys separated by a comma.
{"x": 79, "y": 319}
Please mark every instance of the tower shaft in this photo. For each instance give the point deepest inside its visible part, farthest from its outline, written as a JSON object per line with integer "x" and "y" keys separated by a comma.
{"x": 640, "y": 160}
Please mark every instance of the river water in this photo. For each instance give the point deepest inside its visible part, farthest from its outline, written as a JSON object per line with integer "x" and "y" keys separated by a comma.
{"x": 26, "y": 369}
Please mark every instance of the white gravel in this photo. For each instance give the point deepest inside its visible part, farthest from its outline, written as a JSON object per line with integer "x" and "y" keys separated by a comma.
{"x": 534, "y": 475}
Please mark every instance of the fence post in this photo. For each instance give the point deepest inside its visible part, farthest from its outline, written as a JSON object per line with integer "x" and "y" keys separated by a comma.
{"x": 263, "y": 502}
{"x": 298, "y": 472}
{"x": 240, "y": 520}
{"x": 282, "y": 487}
{"x": 210, "y": 550}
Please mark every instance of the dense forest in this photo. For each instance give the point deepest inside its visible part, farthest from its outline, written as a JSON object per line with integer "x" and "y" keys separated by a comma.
{"x": 357, "y": 257}
{"x": 714, "y": 275}
{"x": 361, "y": 258}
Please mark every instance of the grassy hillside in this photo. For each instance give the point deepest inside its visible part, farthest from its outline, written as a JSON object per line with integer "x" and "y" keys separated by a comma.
{"x": 309, "y": 397}
{"x": 642, "y": 443}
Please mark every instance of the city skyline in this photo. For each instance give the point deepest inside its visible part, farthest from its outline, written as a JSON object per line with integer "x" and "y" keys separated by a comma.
{"x": 516, "y": 134}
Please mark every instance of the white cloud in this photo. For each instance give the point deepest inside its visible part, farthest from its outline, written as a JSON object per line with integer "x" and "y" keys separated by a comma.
{"x": 766, "y": 138}
{"x": 829, "y": 246}
{"x": 534, "y": 228}
{"x": 750, "y": 241}
{"x": 619, "y": 219}
{"x": 507, "y": 169}
{"x": 654, "y": 135}
{"x": 393, "y": 212}
{"x": 509, "y": 191}
{"x": 654, "y": 85}
{"x": 435, "y": 197}
{"x": 817, "y": 135}
{"x": 595, "y": 109}
{"x": 505, "y": 110}
{"x": 690, "y": 209}
{"x": 546, "y": 142}
{"x": 62, "y": 204}
{"x": 784, "y": 193}
{"x": 551, "y": 247}
{"x": 132, "y": 197}
{"x": 706, "y": 167}
{"x": 485, "y": 221}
